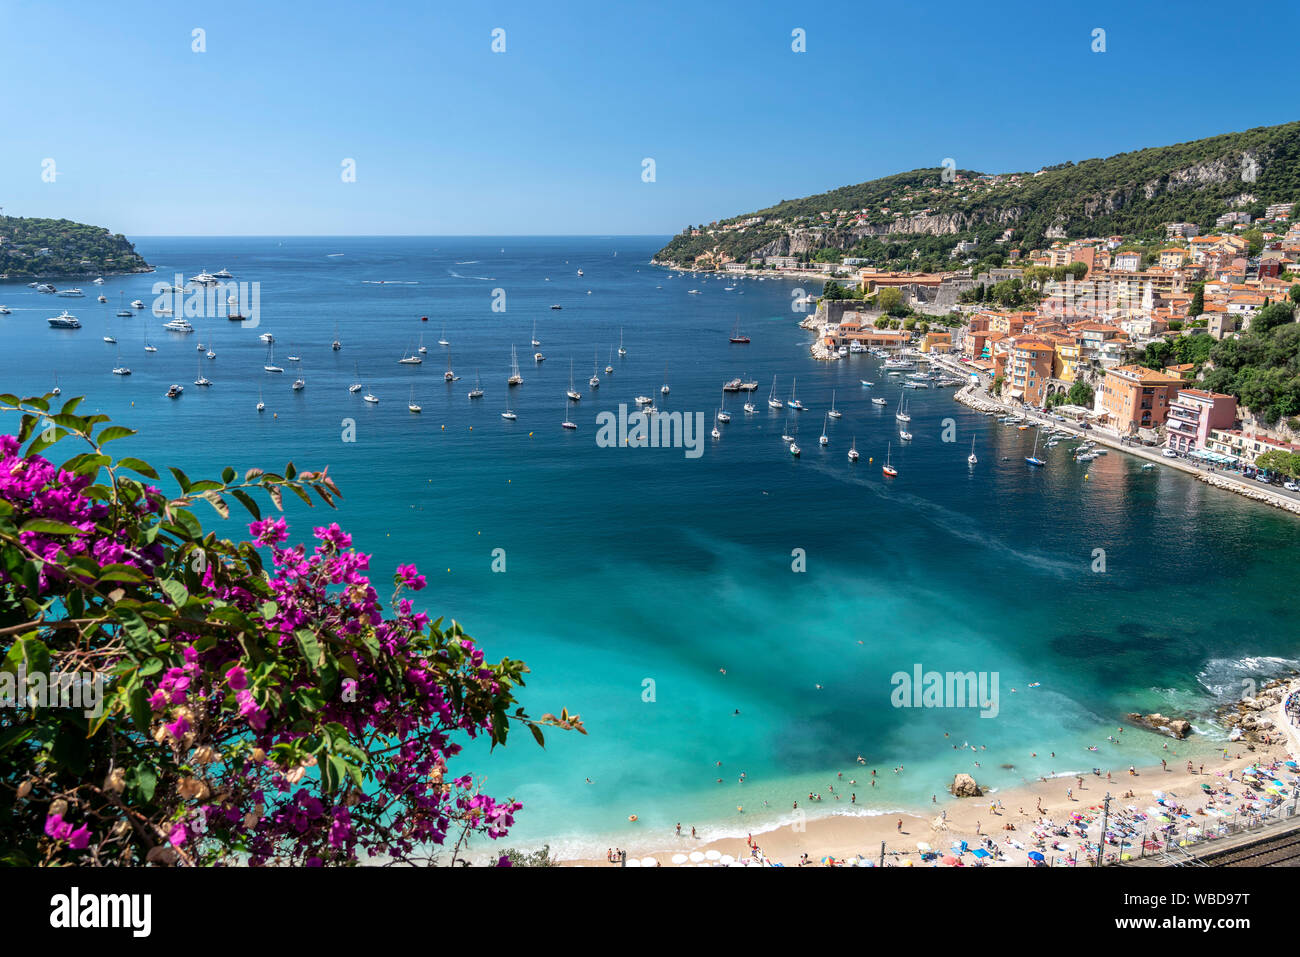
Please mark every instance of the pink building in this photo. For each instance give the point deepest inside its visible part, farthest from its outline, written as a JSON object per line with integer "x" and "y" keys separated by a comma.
{"x": 1193, "y": 413}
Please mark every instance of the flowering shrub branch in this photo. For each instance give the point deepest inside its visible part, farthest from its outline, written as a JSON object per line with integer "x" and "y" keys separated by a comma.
{"x": 251, "y": 712}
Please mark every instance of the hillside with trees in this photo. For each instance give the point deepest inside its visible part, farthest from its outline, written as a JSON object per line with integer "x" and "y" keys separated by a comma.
{"x": 50, "y": 248}
{"x": 917, "y": 218}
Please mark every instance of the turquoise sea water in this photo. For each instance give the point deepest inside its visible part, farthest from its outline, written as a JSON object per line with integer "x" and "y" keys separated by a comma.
{"x": 626, "y": 566}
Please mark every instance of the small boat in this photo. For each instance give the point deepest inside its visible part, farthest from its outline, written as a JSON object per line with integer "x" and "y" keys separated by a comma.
{"x": 879, "y": 401}
{"x": 772, "y": 401}
{"x": 515, "y": 377}
{"x": 579, "y": 272}
{"x": 621, "y": 350}
{"x": 56, "y": 390}
{"x": 71, "y": 293}
{"x": 568, "y": 423}
{"x": 99, "y": 281}
{"x": 477, "y": 391}
{"x": 793, "y": 401}
{"x": 371, "y": 398}
{"x": 750, "y": 408}
{"x": 1034, "y": 459}
{"x": 174, "y": 391}
{"x": 507, "y": 414}
{"x": 834, "y": 413}
{"x": 449, "y": 376}
{"x": 137, "y": 304}
{"x": 716, "y": 433}
{"x": 594, "y": 381}
{"x": 422, "y": 349}
{"x": 901, "y": 415}
{"x": 609, "y": 369}
{"x": 410, "y": 404}
{"x": 299, "y": 385}
{"x": 410, "y": 358}
{"x": 971, "y": 459}
{"x": 64, "y": 321}
{"x": 794, "y": 449}
{"x": 643, "y": 400}
{"x": 270, "y": 360}
{"x": 573, "y": 394}
{"x": 824, "y": 440}
{"x": 557, "y": 307}
{"x": 905, "y": 435}
{"x": 356, "y": 386}
{"x": 261, "y": 406}
{"x": 538, "y": 357}
{"x": 4, "y": 311}
{"x": 853, "y": 450}
{"x": 664, "y": 390}
{"x": 723, "y": 415}
{"x": 736, "y": 336}
{"x": 101, "y": 298}
{"x": 223, "y": 274}
{"x": 443, "y": 341}
{"x": 888, "y": 468}
{"x": 335, "y": 345}
{"x": 536, "y": 342}
{"x": 267, "y": 337}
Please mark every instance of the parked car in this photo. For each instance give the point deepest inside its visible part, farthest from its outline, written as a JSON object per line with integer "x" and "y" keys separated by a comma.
{"x": 1169, "y": 454}
{"x": 1291, "y": 486}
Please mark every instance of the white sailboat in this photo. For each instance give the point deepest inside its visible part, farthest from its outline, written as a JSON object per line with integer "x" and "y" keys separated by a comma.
{"x": 109, "y": 330}
{"x": 261, "y": 406}
{"x": 572, "y": 393}
{"x": 594, "y": 381}
{"x": 202, "y": 379}
{"x": 901, "y": 415}
{"x": 794, "y": 402}
{"x": 536, "y": 342}
{"x": 664, "y": 390}
{"x": 824, "y": 440}
{"x": 147, "y": 347}
{"x": 422, "y": 349}
{"x": 723, "y": 415}
{"x": 410, "y": 404}
{"x": 853, "y": 450}
{"x": 477, "y": 391}
{"x": 888, "y": 468}
{"x": 772, "y": 400}
{"x": 410, "y": 358}
{"x": 449, "y": 375}
{"x": 508, "y": 413}
{"x": 834, "y": 413}
{"x": 270, "y": 359}
{"x": 621, "y": 350}
{"x": 716, "y": 433}
{"x": 336, "y": 345}
{"x": 567, "y": 423}
{"x": 120, "y": 369}
{"x": 609, "y": 369}
{"x": 971, "y": 459}
{"x": 443, "y": 341}
{"x": 356, "y": 386}
{"x": 515, "y": 377}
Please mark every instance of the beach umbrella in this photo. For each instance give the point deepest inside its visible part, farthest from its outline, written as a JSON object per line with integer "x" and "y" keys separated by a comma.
{"x": 726, "y": 860}
{"x": 680, "y": 858}
{"x": 922, "y": 846}
{"x": 632, "y": 862}
{"x": 713, "y": 855}
{"x": 696, "y": 857}
{"x": 649, "y": 862}
{"x": 1036, "y": 856}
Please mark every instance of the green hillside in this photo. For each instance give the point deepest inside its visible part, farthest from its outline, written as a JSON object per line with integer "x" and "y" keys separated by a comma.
{"x": 49, "y": 248}
{"x": 1129, "y": 193}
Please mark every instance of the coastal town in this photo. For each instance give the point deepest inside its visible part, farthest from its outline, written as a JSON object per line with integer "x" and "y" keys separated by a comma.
{"x": 1117, "y": 336}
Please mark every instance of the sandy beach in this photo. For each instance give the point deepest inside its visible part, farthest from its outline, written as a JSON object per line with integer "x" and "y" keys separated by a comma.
{"x": 1011, "y": 818}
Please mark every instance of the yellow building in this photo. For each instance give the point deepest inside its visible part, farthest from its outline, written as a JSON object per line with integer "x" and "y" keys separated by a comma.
{"x": 1065, "y": 366}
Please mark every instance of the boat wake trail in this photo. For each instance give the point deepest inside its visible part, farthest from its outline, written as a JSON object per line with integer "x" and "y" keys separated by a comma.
{"x": 456, "y": 275}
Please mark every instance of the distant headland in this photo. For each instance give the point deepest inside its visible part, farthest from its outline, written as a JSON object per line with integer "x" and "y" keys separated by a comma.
{"x": 47, "y": 248}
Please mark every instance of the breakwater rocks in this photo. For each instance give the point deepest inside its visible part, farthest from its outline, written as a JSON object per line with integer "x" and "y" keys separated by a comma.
{"x": 1247, "y": 719}
{"x": 1256, "y": 494}
{"x": 964, "y": 786}
{"x": 1174, "y": 727}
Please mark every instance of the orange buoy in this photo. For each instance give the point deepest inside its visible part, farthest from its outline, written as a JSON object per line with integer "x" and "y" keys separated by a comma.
{"x": 631, "y": 817}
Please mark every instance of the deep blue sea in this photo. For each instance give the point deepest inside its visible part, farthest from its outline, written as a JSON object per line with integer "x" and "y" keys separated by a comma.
{"x": 635, "y": 576}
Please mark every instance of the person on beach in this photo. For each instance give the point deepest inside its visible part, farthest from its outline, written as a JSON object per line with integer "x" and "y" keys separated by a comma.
{"x": 900, "y": 825}
{"x": 679, "y": 828}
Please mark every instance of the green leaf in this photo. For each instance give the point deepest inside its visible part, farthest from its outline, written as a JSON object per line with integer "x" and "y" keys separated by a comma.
{"x": 48, "y": 526}
{"x": 310, "y": 646}
{"x": 138, "y": 465}
{"x": 182, "y": 479}
{"x": 141, "y": 714}
{"x": 247, "y": 501}
{"x": 114, "y": 432}
{"x": 135, "y": 632}
{"x": 120, "y": 573}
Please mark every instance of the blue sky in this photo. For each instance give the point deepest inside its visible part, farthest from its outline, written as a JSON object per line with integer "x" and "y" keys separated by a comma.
{"x": 151, "y": 138}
